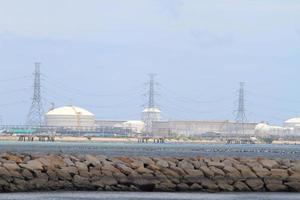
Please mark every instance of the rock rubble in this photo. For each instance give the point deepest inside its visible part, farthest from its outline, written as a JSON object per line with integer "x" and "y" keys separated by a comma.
{"x": 24, "y": 172}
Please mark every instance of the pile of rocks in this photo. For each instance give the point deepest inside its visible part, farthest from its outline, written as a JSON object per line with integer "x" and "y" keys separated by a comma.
{"x": 24, "y": 172}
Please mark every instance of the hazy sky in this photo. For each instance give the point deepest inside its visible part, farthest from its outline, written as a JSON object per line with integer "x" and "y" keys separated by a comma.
{"x": 97, "y": 54}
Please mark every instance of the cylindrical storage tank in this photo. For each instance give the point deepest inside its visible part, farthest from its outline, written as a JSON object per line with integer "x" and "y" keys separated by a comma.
{"x": 134, "y": 125}
{"x": 70, "y": 116}
{"x": 262, "y": 129}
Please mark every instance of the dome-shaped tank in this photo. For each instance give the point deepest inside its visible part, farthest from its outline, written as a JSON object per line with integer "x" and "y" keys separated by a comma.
{"x": 293, "y": 122}
{"x": 70, "y": 116}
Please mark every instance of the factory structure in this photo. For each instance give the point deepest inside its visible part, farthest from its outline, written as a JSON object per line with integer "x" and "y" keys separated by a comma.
{"x": 74, "y": 120}
{"x": 151, "y": 123}
{"x": 290, "y": 127}
{"x": 73, "y": 117}
{"x": 69, "y": 116}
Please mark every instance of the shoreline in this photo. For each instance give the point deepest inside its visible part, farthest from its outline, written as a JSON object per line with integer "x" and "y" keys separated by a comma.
{"x": 109, "y": 139}
{"x": 135, "y": 140}
{"x": 64, "y": 172}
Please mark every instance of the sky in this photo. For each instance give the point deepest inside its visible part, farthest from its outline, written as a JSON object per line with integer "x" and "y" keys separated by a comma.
{"x": 97, "y": 54}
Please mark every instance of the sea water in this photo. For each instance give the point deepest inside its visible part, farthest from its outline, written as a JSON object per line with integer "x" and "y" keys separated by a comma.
{"x": 147, "y": 196}
{"x": 170, "y": 149}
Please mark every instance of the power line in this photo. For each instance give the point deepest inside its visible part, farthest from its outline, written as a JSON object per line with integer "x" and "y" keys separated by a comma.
{"x": 14, "y": 91}
{"x": 78, "y": 92}
{"x": 186, "y": 99}
{"x": 15, "y": 78}
{"x": 13, "y": 103}
{"x": 56, "y": 96}
{"x": 268, "y": 97}
{"x": 118, "y": 105}
{"x": 183, "y": 108}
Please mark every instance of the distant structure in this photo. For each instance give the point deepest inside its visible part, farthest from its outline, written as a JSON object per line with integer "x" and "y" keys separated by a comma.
{"x": 151, "y": 113}
{"x": 264, "y": 129}
{"x": 36, "y": 113}
{"x": 70, "y": 116}
{"x": 201, "y": 128}
{"x": 241, "y": 111}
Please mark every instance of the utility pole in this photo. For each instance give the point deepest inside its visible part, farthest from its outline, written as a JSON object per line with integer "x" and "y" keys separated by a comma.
{"x": 241, "y": 111}
{"x": 36, "y": 113}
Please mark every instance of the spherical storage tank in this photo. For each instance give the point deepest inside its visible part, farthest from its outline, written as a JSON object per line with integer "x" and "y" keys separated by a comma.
{"x": 70, "y": 116}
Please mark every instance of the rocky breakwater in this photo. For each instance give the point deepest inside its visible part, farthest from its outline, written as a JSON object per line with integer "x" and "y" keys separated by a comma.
{"x": 23, "y": 172}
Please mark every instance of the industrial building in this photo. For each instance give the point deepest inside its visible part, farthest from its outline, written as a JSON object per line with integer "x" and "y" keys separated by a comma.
{"x": 150, "y": 115}
{"x": 109, "y": 123}
{"x": 264, "y": 129}
{"x": 290, "y": 127}
{"x": 135, "y": 126}
{"x": 69, "y": 116}
{"x": 192, "y": 128}
{"x": 292, "y": 123}
{"x": 76, "y": 118}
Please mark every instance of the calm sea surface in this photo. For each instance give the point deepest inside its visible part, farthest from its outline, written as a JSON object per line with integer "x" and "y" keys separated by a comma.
{"x": 148, "y": 196}
{"x": 135, "y": 149}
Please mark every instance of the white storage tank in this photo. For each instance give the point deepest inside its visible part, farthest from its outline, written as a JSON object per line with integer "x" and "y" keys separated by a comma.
{"x": 135, "y": 125}
{"x": 293, "y": 122}
{"x": 70, "y": 116}
{"x": 149, "y": 116}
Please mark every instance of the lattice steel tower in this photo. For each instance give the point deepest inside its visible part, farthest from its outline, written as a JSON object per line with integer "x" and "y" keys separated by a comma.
{"x": 151, "y": 103}
{"x": 36, "y": 113}
{"x": 241, "y": 111}
{"x": 151, "y": 113}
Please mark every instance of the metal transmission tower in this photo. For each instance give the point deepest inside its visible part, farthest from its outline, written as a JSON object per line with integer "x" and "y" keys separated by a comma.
{"x": 151, "y": 113}
{"x": 241, "y": 111}
{"x": 36, "y": 113}
{"x": 151, "y": 103}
